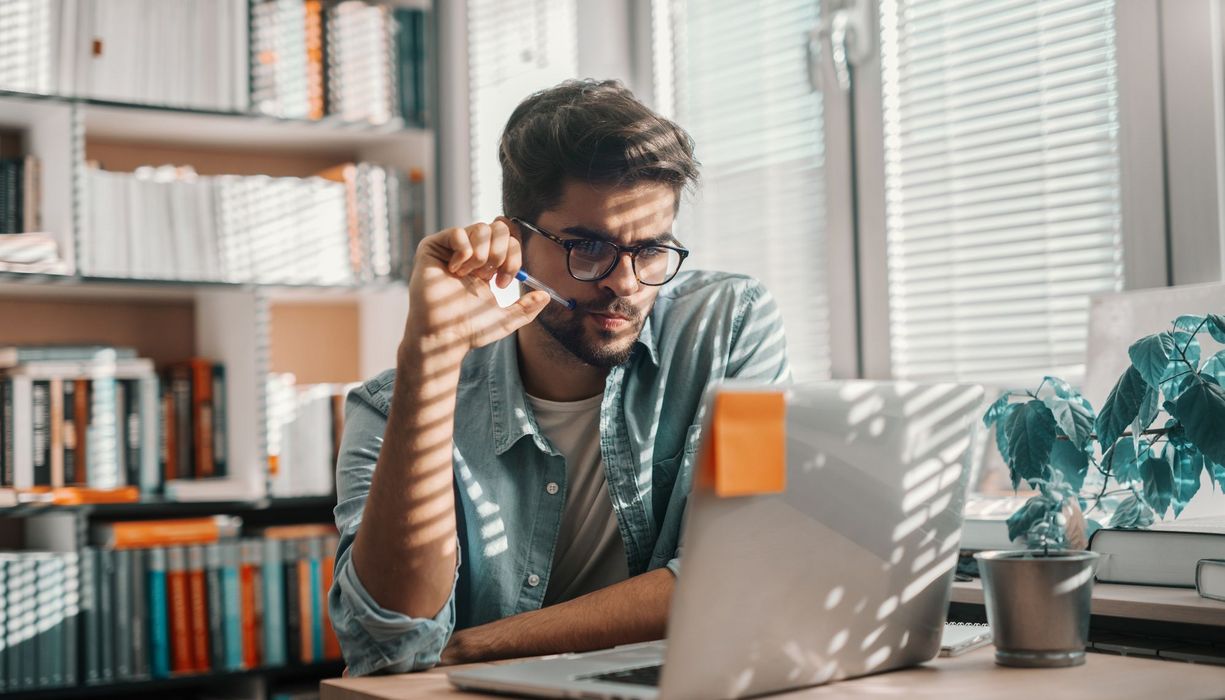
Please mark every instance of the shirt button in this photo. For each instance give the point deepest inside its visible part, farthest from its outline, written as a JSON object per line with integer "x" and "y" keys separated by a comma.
{"x": 552, "y": 488}
{"x": 533, "y": 580}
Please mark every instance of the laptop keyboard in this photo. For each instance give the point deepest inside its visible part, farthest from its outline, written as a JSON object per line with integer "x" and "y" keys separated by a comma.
{"x": 643, "y": 675}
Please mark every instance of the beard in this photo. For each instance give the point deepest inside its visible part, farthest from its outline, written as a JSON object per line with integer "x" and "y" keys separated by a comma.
{"x": 604, "y": 350}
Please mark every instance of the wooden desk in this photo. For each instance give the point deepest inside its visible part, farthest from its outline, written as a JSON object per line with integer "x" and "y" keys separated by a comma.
{"x": 973, "y": 675}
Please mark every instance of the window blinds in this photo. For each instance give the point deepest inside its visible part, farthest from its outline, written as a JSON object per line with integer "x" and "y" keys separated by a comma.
{"x": 515, "y": 47}
{"x": 1002, "y": 183}
{"x": 738, "y": 84}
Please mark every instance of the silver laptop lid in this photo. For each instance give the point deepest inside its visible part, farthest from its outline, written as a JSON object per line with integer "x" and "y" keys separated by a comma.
{"x": 846, "y": 573}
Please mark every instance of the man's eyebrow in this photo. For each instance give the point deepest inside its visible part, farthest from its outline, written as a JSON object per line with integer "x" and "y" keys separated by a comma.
{"x": 665, "y": 238}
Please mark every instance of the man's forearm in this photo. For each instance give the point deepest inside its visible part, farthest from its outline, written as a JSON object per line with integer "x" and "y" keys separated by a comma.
{"x": 404, "y": 552}
{"x": 635, "y": 610}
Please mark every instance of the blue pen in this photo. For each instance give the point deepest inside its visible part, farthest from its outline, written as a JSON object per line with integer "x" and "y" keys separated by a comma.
{"x": 530, "y": 281}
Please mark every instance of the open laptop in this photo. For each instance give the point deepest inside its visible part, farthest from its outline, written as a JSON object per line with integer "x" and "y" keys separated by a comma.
{"x": 845, "y": 573}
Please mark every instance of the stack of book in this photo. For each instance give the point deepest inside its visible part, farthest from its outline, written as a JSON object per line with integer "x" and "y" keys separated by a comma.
{"x": 156, "y": 599}
{"x": 145, "y": 51}
{"x": 100, "y": 418}
{"x": 305, "y": 425}
{"x": 344, "y": 226}
{"x": 20, "y": 179}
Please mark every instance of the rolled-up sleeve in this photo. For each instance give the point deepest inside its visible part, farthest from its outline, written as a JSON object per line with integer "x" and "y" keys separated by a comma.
{"x": 373, "y": 638}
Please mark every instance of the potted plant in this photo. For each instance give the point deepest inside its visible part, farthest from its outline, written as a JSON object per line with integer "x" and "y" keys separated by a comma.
{"x": 1160, "y": 429}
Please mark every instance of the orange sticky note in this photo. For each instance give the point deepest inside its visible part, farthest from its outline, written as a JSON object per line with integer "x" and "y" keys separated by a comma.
{"x": 745, "y": 453}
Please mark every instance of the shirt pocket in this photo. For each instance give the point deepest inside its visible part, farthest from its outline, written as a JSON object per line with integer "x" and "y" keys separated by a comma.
{"x": 665, "y": 473}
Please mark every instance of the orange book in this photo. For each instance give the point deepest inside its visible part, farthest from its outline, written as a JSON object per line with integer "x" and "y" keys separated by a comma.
{"x": 80, "y": 424}
{"x": 180, "y": 620}
{"x": 347, "y": 174}
{"x": 170, "y": 445}
{"x": 314, "y": 59}
{"x": 200, "y": 373}
{"x": 77, "y": 495}
{"x": 164, "y": 533}
{"x": 197, "y": 602}
{"x": 251, "y": 558}
{"x": 331, "y": 644}
{"x": 57, "y": 431}
{"x": 306, "y": 608}
{"x": 294, "y": 532}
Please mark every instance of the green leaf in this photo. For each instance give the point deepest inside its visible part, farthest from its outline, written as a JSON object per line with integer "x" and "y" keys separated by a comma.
{"x": 996, "y": 410}
{"x": 1218, "y": 473}
{"x": 1215, "y": 367}
{"x": 1062, "y": 389}
{"x": 1074, "y": 417}
{"x": 1031, "y": 434}
{"x": 1201, "y": 411}
{"x": 1121, "y": 407}
{"x": 1001, "y": 431}
{"x": 1188, "y": 322}
{"x": 1187, "y": 464}
{"x": 1034, "y": 511}
{"x": 1158, "y": 484}
{"x": 1148, "y": 408}
{"x": 1070, "y": 461}
{"x": 1132, "y": 514}
{"x": 1216, "y": 327}
{"x": 1122, "y": 460}
{"x": 1189, "y": 347}
{"x": 1151, "y": 356}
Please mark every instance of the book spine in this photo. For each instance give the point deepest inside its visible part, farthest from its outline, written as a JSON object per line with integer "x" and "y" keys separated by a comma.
{"x": 81, "y": 426}
{"x": 6, "y": 434}
{"x": 69, "y": 431}
{"x": 106, "y": 613}
{"x": 122, "y": 467}
{"x": 220, "y": 416}
{"x": 5, "y": 607}
{"x": 21, "y": 425}
{"x": 180, "y": 387}
{"x": 216, "y": 629}
{"x": 149, "y": 436}
{"x": 331, "y": 644}
{"x": 47, "y": 597}
{"x": 198, "y": 608}
{"x": 40, "y": 392}
{"x": 293, "y": 602}
{"x": 105, "y": 471}
{"x": 131, "y": 430}
{"x": 275, "y": 630}
{"x": 72, "y": 616}
{"x": 249, "y": 603}
{"x": 169, "y": 440}
{"x": 312, "y": 555}
{"x": 202, "y": 417}
{"x": 140, "y": 614}
{"x": 232, "y": 606}
{"x": 29, "y": 622}
{"x": 121, "y": 638}
{"x": 14, "y": 609}
{"x": 159, "y": 622}
{"x": 91, "y": 637}
{"x": 56, "y": 428}
{"x": 180, "y": 618}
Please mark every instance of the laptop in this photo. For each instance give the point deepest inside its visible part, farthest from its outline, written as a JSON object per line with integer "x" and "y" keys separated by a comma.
{"x": 846, "y": 572}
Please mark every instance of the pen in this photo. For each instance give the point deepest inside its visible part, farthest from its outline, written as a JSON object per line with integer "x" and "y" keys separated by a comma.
{"x": 530, "y": 281}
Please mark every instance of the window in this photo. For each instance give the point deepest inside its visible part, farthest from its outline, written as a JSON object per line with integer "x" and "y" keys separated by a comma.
{"x": 1001, "y": 175}
{"x": 734, "y": 75}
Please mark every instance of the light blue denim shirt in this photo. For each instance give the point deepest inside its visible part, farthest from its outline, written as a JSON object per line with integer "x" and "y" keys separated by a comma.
{"x": 704, "y": 327}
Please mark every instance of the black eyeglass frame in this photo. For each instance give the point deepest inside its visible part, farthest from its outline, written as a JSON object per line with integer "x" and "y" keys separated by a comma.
{"x": 570, "y": 243}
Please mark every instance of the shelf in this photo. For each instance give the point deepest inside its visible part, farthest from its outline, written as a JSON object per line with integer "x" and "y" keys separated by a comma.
{"x": 43, "y": 285}
{"x": 163, "y": 508}
{"x": 1157, "y": 603}
{"x": 173, "y": 125}
{"x": 325, "y": 669}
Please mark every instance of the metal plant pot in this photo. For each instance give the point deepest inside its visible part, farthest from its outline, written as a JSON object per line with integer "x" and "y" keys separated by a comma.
{"x": 1038, "y": 605}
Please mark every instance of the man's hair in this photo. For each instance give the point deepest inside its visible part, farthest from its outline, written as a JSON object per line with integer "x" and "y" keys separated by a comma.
{"x": 591, "y": 131}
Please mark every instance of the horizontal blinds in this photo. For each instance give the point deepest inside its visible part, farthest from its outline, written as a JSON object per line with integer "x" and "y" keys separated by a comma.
{"x": 740, "y": 88}
{"x": 1002, "y": 182}
{"x": 515, "y": 48}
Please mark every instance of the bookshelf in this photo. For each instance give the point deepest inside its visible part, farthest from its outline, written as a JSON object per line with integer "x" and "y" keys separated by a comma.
{"x": 321, "y": 331}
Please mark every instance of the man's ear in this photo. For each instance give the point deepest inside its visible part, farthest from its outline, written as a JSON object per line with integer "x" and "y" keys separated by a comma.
{"x": 515, "y": 231}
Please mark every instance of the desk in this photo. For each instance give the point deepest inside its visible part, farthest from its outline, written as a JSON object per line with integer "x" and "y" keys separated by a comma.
{"x": 972, "y": 676}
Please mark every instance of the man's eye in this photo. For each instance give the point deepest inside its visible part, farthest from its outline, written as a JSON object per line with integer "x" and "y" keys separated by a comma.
{"x": 590, "y": 248}
{"x": 651, "y": 253}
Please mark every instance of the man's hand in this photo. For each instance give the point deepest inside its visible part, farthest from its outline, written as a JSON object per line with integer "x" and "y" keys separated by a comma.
{"x": 451, "y": 308}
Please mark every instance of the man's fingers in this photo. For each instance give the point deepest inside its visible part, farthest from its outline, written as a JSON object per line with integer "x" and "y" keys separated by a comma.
{"x": 478, "y": 236}
{"x": 499, "y": 244}
{"x": 457, "y": 240}
{"x": 514, "y": 261}
{"x": 524, "y": 311}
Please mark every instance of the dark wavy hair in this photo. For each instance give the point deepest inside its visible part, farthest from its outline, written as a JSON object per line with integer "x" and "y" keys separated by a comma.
{"x": 591, "y": 131}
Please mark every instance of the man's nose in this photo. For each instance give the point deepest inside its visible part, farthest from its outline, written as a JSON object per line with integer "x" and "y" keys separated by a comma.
{"x": 622, "y": 281}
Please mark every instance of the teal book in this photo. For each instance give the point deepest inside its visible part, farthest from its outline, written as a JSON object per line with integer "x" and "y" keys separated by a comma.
{"x": 231, "y": 606}
{"x": 159, "y": 619}
{"x": 274, "y": 604}
{"x": 314, "y": 553}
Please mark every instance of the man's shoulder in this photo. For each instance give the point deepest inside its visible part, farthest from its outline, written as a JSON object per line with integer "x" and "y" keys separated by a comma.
{"x": 704, "y": 292}
{"x": 377, "y": 390}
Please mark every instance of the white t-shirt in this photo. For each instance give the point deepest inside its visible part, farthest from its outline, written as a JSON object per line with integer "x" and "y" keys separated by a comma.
{"x": 590, "y": 554}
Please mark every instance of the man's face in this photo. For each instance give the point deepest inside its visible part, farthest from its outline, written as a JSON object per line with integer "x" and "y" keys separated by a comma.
{"x": 609, "y": 313}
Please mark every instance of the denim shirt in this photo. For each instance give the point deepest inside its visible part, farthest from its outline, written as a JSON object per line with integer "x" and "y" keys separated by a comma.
{"x": 510, "y": 483}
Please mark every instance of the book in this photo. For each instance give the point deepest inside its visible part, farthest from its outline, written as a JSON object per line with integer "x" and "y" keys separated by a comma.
{"x": 1210, "y": 578}
{"x": 216, "y": 593}
{"x": 139, "y": 628}
{"x": 90, "y": 650}
{"x": 73, "y": 622}
{"x": 275, "y": 631}
{"x": 294, "y": 636}
{"x": 181, "y": 655}
{"x": 1157, "y": 557}
{"x": 961, "y": 637}
{"x": 331, "y": 644}
{"x": 178, "y": 531}
{"x": 121, "y": 631}
{"x": 159, "y": 621}
{"x": 231, "y": 606}
{"x": 198, "y": 608}
{"x": 69, "y": 432}
{"x": 251, "y": 595}
{"x": 105, "y": 572}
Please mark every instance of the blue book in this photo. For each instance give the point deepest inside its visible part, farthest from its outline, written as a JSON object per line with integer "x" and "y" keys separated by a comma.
{"x": 314, "y": 552}
{"x": 231, "y": 605}
{"x": 274, "y": 604}
{"x": 159, "y": 620}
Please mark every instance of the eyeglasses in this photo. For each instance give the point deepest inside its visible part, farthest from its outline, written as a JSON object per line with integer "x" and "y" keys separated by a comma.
{"x": 591, "y": 260}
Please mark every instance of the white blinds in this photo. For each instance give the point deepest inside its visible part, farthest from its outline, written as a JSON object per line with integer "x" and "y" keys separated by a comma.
{"x": 739, "y": 86}
{"x": 1002, "y": 183}
{"x": 515, "y": 47}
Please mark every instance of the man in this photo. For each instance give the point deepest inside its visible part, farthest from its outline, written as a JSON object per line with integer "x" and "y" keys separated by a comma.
{"x": 515, "y": 486}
